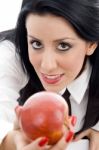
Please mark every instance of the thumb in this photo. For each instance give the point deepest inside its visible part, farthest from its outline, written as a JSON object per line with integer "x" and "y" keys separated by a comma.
{"x": 16, "y": 124}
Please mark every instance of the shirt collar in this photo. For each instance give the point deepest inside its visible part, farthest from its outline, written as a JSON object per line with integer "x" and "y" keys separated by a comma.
{"x": 78, "y": 87}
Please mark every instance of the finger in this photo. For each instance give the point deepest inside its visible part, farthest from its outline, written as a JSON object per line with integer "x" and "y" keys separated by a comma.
{"x": 94, "y": 140}
{"x": 81, "y": 135}
{"x": 16, "y": 124}
{"x": 72, "y": 122}
{"x": 64, "y": 142}
{"x": 20, "y": 140}
{"x": 39, "y": 144}
{"x": 92, "y": 146}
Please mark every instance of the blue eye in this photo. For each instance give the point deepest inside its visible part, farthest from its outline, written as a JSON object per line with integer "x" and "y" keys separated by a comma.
{"x": 36, "y": 45}
{"x": 63, "y": 46}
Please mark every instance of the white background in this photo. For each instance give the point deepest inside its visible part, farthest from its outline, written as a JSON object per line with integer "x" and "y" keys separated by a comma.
{"x": 9, "y": 10}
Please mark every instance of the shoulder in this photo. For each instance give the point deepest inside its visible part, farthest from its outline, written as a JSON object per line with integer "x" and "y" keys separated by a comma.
{"x": 7, "y": 48}
{"x": 10, "y": 62}
{"x": 6, "y": 44}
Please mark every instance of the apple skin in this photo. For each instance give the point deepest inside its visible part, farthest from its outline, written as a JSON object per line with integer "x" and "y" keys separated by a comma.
{"x": 44, "y": 114}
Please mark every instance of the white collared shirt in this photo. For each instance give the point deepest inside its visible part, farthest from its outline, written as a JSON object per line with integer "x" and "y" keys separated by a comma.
{"x": 12, "y": 79}
{"x": 79, "y": 96}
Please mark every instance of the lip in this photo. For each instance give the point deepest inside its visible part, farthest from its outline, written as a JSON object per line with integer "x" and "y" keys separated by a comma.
{"x": 51, "y": 79}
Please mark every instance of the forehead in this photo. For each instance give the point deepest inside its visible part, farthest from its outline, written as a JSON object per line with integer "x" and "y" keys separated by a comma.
{"x": 49, "y": 24}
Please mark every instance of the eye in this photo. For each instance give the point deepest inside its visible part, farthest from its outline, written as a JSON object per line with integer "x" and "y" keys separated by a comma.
{"x": 63, "y": 46}
{"x": 36, "y": 45}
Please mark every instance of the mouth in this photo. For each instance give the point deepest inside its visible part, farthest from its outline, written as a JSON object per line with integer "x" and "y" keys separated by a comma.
{"x": 51, "y": 79}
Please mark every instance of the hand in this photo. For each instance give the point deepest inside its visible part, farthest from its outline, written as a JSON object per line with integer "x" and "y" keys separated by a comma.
{"x": 93, "y": 136}
{"x": 23, "y": 143}
{"x": 41, "y": 143}
{"x": 64, "y": 141}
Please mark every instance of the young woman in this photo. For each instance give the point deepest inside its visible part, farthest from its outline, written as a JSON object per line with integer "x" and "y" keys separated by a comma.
{"x": 57, "y": 41}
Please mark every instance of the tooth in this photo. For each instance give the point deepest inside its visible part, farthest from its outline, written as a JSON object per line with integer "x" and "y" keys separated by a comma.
{"x": 52, "y": 77}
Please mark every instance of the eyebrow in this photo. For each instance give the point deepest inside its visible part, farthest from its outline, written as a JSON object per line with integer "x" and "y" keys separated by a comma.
{"x": 57, "y": 40}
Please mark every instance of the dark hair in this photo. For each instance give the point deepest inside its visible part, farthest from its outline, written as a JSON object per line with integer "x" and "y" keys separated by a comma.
{"x": 84, "y": 17}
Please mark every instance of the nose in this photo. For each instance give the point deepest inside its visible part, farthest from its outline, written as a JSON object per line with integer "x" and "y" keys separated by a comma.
{"x": 49, "y": 62}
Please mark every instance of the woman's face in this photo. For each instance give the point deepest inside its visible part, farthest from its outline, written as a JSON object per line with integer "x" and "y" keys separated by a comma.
{"x": 55, "y": 50}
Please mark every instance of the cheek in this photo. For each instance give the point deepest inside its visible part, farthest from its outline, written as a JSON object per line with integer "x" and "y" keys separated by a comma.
{"x": 34, "y": 60}
{"x": 73, "y": 64}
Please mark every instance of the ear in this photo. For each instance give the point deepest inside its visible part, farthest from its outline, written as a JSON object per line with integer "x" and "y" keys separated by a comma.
{"x": 91, "y": 48}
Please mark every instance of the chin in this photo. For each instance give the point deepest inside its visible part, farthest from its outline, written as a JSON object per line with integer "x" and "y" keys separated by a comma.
{"x": 52, "y": 89}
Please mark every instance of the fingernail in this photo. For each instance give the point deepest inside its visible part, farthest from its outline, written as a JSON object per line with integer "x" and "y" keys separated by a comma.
{"x": 43, "y": 141}
{"x": 69, "y": 136}
{"x": 73, "y": 120}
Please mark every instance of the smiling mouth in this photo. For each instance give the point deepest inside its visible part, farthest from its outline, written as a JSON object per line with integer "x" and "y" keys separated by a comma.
{"x": 51, "y": 79}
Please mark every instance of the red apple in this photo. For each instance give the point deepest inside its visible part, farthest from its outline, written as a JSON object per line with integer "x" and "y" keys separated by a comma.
{"x": 44, "y": 114}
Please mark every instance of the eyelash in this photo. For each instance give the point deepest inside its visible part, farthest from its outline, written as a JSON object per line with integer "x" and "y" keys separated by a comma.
{"x": 63, "y": 50}
{"x": 65, "y": 44}
{"x": 34, "y": 41}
